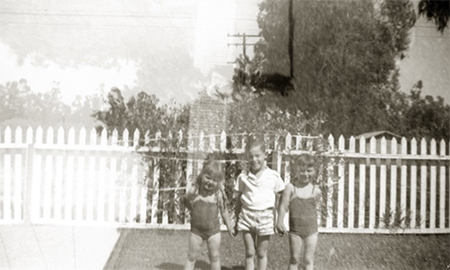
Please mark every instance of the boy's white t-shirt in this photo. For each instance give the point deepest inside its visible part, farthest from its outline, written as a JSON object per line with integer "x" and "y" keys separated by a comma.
{"x": 259, "y": 194}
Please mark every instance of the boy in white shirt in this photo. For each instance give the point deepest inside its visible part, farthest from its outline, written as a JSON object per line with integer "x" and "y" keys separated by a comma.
{"x": 258, "y": 193}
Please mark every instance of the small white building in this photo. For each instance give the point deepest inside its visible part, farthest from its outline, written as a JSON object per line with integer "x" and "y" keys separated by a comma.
{"x": 378, "y": 135}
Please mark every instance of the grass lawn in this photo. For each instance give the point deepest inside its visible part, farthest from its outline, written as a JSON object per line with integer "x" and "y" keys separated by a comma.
{"x": 167, "y": 249}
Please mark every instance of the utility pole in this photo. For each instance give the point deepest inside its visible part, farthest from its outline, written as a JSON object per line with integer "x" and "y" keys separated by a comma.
{"x": 291, "y": 38}
{"x": 244, "y": 37}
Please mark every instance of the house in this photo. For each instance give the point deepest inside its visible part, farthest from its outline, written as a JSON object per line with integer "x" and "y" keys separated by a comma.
{"x": 378, "y": 135}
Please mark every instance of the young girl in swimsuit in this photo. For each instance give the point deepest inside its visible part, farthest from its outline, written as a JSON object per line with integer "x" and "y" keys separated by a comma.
{"x": 205, "y": 199}
{"x": 299, "y": 198}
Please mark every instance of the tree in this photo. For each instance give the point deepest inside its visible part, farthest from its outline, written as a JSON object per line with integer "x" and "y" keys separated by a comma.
{"x": 344, "y": 53}
{"x": 82, "y": 108}
{"x": 142, "y": 112}
{"x": 21, "y": 106}
{"x": 437, "y": 10}
{"x": 115, "y": 117}
{"x": 427, "y": 117}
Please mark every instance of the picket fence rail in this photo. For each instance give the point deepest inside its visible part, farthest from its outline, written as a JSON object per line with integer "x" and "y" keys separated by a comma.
{"x": 382, "y": 186}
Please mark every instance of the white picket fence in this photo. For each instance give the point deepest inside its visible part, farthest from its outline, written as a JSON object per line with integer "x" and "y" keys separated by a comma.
{"x": 68, "y": 178}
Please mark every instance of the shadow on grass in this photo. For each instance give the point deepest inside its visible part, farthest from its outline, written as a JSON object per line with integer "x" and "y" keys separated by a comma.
{"x": 173, "y": 266}
{"x": 198, "y": 265}
{"x": 170, "y": 266}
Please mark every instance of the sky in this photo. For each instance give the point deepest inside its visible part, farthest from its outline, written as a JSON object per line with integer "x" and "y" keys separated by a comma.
{"x": 170, "y": 48}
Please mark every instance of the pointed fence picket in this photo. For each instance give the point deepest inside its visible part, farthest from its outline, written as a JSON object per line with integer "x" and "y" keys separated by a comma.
{"x": 382, "y": 202}
{"x": 341, "y": 185}
{"x": 433, "y": 187}
{"x": 36, "y": 179}
{"x": 351, "y": 185}
{"x": 17, "y": 202}
{"x": 423, "y": 185}
{"x": 48, "y": 177}
{"x": 374, "y": 185}
{"x": 393, "y": 185}
{"x": 70, "y": 169}
{"x": 413, "y": 189}
{"x": 7, "y": 180}
{"x": 362, "y": 185}
{"x": 330, "y": 182}
{"x": 442, "y": 188}
{"x": 403, "y": 185}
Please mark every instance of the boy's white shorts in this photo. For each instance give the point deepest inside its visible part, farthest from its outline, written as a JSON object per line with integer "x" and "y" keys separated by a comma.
{"x": 259, "y": 221}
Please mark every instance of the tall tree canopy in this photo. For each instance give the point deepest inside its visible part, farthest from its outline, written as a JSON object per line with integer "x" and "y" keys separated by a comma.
{"x": 344, "y": 59}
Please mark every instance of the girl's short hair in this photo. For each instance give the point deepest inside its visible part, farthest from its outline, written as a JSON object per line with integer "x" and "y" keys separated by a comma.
{"x": 299, "y": 163}
{"x": 212, "y": 168}
{"x": 304, "y": 160}
{"x": 254, "y": 140}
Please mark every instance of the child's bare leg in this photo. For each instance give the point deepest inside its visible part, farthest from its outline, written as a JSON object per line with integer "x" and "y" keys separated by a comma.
{"x": 214, "y": 251}
{"x": 195, "y": 246}
{"x": 261, "y": 252}
{"x": 310, "y": 249}
{"x": 249, "y": 244}
{"x": 295, "y": 243}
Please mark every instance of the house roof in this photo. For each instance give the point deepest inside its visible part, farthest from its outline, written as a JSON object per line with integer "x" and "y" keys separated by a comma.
{"x": 369, "y": 135}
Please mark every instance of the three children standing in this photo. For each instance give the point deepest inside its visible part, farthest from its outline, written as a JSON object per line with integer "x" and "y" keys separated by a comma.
{"x": 260, "y": 195}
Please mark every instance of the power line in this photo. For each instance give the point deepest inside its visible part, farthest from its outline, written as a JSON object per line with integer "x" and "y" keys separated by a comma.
{"x": 87, "y": 25}
{"x": 124, "y": 25}
{"x": 171, "y": 20}
{"x": 145, "y": 15}
{"x": 120, "y": 15}
{"x": 84, "y": 25}
{"x": 244, "y": 43}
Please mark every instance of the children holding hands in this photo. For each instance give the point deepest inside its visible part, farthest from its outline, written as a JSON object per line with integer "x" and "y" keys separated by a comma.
{"x": 260, "y": 191}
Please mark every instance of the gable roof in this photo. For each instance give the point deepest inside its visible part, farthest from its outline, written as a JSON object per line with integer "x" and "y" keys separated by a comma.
{"x": 369, "y": 135}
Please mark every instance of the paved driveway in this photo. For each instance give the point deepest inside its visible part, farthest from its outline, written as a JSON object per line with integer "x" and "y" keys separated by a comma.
{"x": 55, "y": 247}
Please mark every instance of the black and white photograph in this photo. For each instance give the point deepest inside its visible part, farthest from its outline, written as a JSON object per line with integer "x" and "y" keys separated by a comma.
{"x": 224, "y": 134}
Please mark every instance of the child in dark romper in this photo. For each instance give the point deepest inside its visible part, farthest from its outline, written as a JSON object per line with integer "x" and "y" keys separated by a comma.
{"x": 300, "y": 197}
{"x": 205, "y": 199}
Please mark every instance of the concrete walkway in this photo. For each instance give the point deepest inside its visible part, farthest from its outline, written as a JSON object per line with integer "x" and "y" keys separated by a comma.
{"x": 55, "y": 247}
